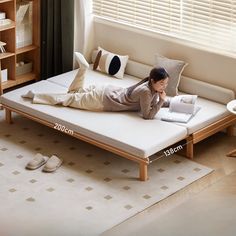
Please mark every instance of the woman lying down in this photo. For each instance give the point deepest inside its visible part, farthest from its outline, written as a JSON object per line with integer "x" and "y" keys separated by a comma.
{"x": 147, "y": 96}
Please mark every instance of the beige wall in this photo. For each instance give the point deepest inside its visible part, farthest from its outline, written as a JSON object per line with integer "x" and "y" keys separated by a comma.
{"x": 203, "y": 65}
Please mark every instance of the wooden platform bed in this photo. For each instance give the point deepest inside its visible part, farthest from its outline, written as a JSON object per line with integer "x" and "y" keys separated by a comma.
{"x": 108, "y": 130}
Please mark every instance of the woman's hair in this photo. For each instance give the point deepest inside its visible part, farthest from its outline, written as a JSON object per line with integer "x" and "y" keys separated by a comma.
{"x": 156, "y": 74}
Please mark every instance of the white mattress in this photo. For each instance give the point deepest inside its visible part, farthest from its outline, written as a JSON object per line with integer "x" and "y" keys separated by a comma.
{"x": 123, "y": 130}
{"x": 210, "y": 111}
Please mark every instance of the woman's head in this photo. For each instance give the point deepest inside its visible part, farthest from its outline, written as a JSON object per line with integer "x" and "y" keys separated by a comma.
{"x": 158, "y": 79}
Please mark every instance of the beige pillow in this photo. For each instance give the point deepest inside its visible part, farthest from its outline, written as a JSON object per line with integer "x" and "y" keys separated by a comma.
{"x": 110, "y": 63}
{"x": 174, "y": 68}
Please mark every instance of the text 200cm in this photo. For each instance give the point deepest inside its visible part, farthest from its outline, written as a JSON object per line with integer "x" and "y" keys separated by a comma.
{"x": 63, "y": 129}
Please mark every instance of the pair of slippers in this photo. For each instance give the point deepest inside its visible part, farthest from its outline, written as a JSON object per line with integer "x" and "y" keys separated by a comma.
{"x": 51, "y": 164}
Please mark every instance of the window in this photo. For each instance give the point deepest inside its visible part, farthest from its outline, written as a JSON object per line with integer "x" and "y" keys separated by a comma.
{"x": 208, "y": 22}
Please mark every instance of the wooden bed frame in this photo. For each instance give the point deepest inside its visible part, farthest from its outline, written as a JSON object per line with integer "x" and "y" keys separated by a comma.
{"x": 226, "y": 122}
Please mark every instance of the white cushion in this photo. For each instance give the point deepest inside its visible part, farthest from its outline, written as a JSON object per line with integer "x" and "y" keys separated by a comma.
{"x": 138, "y": 69}
{"x": 206, "y": 90}
{"x": 110, "y": 63}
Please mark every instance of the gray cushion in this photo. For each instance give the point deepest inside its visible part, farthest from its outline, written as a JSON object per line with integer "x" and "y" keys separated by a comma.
{"x": 174, "y": 69}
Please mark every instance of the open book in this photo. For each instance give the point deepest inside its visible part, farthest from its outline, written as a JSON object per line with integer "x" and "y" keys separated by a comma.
{"x": 181, "y": 109}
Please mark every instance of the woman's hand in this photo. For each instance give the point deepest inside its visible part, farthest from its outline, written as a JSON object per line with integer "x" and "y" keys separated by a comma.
{"x": 162, "y": 95}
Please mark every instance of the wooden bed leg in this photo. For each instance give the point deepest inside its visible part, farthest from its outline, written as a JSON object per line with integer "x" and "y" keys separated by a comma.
{"x": 189, "y": 148}
{"x": 230, "y": 130}
{"x": 8, "y": 116}
{"x": 143, "y": 171}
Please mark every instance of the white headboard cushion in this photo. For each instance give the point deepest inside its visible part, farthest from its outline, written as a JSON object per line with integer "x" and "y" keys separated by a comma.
{"x": 138, "y": 69}
{"x": 206, "y": 90}
{"x": 186, "y": 85}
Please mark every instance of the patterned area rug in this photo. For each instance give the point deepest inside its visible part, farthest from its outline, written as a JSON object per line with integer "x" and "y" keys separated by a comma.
{"x": 91, "y": 192}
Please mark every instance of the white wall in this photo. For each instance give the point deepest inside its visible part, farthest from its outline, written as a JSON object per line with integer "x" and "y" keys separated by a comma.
{"x": 140, "y": 46}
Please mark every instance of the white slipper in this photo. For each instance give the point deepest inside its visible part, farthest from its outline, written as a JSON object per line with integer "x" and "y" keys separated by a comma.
{"x": 53, "y": 163}
{"x": 36, "y": 162}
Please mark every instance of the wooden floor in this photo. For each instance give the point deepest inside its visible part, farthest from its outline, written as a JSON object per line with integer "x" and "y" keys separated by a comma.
{"x": 206, "y": 207}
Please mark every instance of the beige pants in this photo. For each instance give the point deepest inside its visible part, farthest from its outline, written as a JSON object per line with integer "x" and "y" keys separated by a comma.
{"x": 78, "y": 81}
{"x": 87, "y": 99}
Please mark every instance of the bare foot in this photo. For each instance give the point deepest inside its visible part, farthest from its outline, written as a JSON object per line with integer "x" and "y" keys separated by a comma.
{"x": 81, "y": 60}
{"x": 29, "y": 94}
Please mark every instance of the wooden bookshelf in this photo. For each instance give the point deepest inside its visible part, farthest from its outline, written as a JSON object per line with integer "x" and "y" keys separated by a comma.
{"x": 18, "y": 52}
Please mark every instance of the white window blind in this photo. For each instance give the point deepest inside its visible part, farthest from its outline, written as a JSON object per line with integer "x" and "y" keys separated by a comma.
{"x": 208, "y": 22}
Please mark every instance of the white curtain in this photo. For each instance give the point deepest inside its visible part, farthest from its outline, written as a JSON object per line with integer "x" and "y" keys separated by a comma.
{"x": 84, "y": 32}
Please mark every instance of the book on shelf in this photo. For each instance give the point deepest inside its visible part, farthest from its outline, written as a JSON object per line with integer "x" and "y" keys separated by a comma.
{"x": 181, "y": 109}
{"x": 2, "y": 15}
{"x": 2, "y": 43}
{"x": 4, "y": 22}
{"x": 2, "y": 49}
{"x": 21, "y": 10}
{"x": 24, "y": 30}
{"x": 3, "y": 75}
